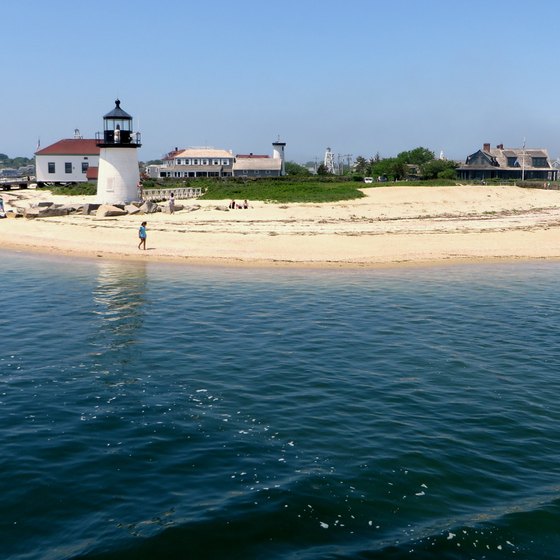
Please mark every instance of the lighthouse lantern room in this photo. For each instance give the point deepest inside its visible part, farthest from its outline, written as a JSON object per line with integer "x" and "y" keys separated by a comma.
{"x": 118, "y": 175}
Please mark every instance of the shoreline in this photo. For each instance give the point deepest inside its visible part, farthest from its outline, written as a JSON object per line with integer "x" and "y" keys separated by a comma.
{"x": 390, "y": 227}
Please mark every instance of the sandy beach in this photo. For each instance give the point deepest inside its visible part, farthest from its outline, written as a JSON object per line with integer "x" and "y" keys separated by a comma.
{"x": 389, "y": 226}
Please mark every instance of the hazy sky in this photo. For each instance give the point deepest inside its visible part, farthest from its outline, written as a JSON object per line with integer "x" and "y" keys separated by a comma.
{"x": 359, "y": 76}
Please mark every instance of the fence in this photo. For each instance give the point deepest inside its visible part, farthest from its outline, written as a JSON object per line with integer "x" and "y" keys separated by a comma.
{"x": 164, "y": 194}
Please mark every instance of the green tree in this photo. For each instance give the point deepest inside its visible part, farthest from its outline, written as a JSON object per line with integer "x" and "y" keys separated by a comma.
{"x": 322, "y": 169}
{"x": 391, "y": 168}
{"x": 361, "y": 165}
{"x": 418, "y": 156}
{"x": 438, "y": 169}
{"x": 297, "y": 170}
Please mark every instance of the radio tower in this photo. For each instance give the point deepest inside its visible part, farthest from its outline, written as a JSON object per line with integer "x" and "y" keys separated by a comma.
{"x": 329, "y": 161}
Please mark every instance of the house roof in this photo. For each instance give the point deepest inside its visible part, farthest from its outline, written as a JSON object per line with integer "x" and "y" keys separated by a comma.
{"x": 257, "y": 164}
{"x": 499, "y": 156}
{"x": 250, "y": 156}
{"x": 203, "y": 153}
{"x": 71, "y": 147}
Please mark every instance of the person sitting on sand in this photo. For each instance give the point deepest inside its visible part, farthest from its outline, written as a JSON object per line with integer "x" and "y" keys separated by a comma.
{"x": 142, "y": 235}
{"x": 245, "y": 204}
{"x": 232, "y": 205}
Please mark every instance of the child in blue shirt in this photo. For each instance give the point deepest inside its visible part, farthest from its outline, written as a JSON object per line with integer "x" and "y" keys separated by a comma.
{"x": 142, "y": 235}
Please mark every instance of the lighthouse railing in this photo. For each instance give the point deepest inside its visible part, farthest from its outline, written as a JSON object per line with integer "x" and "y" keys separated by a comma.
{"x": 124, "y": 137}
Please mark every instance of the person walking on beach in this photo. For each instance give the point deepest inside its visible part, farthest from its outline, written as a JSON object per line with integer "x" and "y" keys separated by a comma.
{"x": 142, "y": 235}
{"x": 172, "y": 203}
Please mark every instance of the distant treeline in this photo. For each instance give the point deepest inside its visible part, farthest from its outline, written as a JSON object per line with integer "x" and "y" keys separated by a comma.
{"x": 16, "y": 162}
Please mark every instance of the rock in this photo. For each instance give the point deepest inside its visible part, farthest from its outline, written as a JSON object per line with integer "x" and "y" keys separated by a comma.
{"x": 132, "y": 209}
{"x": 192, "y": 208}
{"x": 45, "y": 212}
{"x": 43, "y": 204}
{"x": 108, "y": 210}
{"x": 222, "y": 208}
{"x": 71, "y": 207}
{"x": 90, "y": 208}
{"x": 149, "y": 207}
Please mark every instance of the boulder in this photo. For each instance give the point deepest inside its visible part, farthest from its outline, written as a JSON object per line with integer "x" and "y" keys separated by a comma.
{"x": 45, "y": 212}
{"x": 149, "y": 207}
{"x": 192, "y": 208}
{"x": 90, "y": 208}
{"x": 108, "y": 210}
{"x": 131, "y": 209}
{"x": 71, "y": 207}
{"x": 178, "y": 207}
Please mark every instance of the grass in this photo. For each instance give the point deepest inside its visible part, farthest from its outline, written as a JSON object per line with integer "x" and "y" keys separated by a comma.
{"x": 281, "y": 190}
{"x": 81, "y": 189}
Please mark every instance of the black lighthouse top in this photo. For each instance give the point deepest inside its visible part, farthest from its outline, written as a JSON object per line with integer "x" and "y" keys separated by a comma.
{"x": 117, "y": 130}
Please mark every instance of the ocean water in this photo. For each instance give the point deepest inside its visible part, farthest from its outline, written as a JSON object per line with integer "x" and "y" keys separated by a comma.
{"x": 172, "y": 412}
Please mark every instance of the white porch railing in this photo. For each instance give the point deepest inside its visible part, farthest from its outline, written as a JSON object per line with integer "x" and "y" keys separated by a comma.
{"x": 164, "y": 194}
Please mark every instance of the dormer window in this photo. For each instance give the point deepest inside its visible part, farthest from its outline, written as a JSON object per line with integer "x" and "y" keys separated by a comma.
{"x": 512, "y": 161}
{"x": 540, "y": 162}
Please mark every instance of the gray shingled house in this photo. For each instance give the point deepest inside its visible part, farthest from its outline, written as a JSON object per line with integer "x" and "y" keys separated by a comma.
{"x": 528, "y": 164}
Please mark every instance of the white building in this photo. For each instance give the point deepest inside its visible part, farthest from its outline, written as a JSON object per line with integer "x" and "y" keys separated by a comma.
{"x": 252, "y": 165}
{"x": 73, "y": 160}
{"x": 194, "y": 162}
{"x": 212, "y": 162}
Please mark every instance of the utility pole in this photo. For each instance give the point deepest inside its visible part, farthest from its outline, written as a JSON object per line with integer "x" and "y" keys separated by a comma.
{"x": 523, "y": 162}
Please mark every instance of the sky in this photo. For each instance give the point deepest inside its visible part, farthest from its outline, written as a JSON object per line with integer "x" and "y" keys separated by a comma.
{"x": 358, "y": 76}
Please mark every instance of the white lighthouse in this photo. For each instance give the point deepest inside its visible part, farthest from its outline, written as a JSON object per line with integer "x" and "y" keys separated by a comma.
{"x": 278, "y": 153}
{"x": 118, "y": 174}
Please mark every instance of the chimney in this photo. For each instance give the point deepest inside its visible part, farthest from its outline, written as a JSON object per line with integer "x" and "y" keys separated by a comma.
{"x": 486, "y": 147}
{"x": 500, "y": 146}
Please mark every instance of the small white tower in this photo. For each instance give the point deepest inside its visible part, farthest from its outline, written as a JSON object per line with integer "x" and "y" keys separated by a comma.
{"x": 328, "y": 162}
{"x": 278, "y": 153}
{"x": 118, "y": 174}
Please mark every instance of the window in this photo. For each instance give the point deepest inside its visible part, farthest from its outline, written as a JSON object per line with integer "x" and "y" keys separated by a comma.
{"x": 85, "y": 166}
{"x": 52, "y": 167}
{"x": 67, "y": 167}
{"x": 225, "y": 162}
{"x": 512, "y": 161}
{"x": 539, "y": 162}
{"x": 215, "y": 162}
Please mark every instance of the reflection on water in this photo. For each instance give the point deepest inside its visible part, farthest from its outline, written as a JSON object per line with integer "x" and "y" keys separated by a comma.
{"x": 119, "y": 305}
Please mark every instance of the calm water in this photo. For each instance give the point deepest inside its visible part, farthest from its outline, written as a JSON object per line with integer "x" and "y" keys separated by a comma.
{"x": 153, "y": 411}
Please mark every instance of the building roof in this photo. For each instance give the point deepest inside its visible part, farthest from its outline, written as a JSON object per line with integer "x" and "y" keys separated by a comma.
{"x": 257, "y": 164}
{"x": 203, "y": 153}
{"x": 71, "y": 147}
{"x": 250, "y": 156}
{"x": 500, "y": 157}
